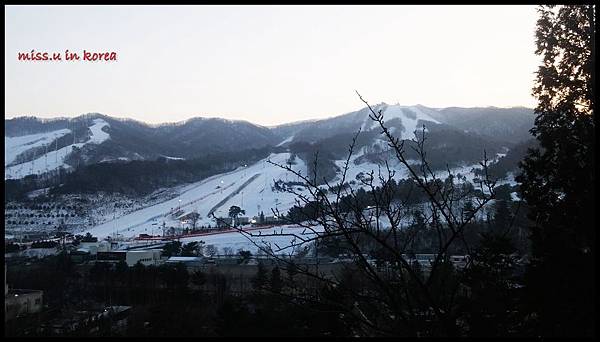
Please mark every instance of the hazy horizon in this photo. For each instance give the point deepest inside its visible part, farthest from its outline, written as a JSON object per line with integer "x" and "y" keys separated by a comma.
{"x": 268, "y": 65}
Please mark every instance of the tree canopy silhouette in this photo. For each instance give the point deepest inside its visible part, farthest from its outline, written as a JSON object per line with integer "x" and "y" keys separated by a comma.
{"x": 558, "y": 179}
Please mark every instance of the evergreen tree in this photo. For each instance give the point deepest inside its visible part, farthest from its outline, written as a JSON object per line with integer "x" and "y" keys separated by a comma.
{"x": 235, "y": 211}
{"x": 190, "y": 249}
{"x": 419, "y": 219}
{"x": 244, "y": 256}
{"x": 276, "y": 281}
{"x": 502, "y": 217}
{"x": 558, "y": 178}
{"x": 291, "y": 271}
{"x": 261, "y": 277}
{"x": 198, "y": 278}
{"x": 492, "y": 299}
{"x": 121, "y": 269}
{"x": 172, "y": 248}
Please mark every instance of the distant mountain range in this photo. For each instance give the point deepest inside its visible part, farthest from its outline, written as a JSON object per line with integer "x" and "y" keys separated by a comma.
{"x": 455, "y": 136}
{"x": 127, "y": 140}
{"x": 506, "y": 126}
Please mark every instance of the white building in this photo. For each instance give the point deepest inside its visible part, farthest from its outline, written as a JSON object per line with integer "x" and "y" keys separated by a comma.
{"x": 189, "y": 262}
{"x": 94, "y": 247}
{"x": 145, "y": 257}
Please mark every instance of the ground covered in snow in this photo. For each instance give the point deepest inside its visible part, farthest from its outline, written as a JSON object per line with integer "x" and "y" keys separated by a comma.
{"x": 50, "y": 160}
{"x": 275, "y": 238}
{"x": 251, "y": 188}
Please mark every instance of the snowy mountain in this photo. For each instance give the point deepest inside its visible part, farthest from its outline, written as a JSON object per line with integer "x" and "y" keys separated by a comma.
{"x": 147, "y": 157}
{"x": 39, "y": 153}
{"x": 209, "y": 165}
{"x": 249, "y": 187}
{"x": 450, "y": 141}
{"x": 252, "y": 188}
{"x": 34, "y": 146}
{"x": 508, "y": 126}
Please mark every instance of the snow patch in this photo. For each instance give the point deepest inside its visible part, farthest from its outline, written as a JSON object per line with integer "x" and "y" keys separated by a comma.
{"x": 53, "y": 160}
{"x": 515, "y": 196}
{"x": 172, "y": 158}
{"x": 290, "y": 138}
{"x": 410, "y": 116}
{"x": 13, "y": 146}
{"x": 237, "y": 240}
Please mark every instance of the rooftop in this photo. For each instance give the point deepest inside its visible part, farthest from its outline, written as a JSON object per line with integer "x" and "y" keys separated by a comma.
{"x": 185, "y": 258}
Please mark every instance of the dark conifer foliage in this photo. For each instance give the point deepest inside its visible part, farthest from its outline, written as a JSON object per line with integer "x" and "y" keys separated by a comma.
{"x": 558, "y": 178}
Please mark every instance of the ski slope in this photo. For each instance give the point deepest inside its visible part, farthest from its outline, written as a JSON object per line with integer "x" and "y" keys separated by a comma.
{"x": 255, "y": 196}
{"x": 399, "y": 170}
{"x": 287, "y": 140}
{"x": 410, "y": 116}
{"x": 250, "y": 188}
{"x": 13, "y": 146}
{"x": 52, "y": 160}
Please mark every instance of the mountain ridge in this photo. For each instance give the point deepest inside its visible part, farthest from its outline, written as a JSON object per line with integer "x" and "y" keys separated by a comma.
{"x": 454, "y": 133}
{"x": 57, "y": 118}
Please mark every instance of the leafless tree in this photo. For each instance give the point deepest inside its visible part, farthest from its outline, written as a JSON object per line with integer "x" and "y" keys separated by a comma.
{"x": 210, "y": 250}
{"x": 228, "y": 251}
{"x": 194, "y": 217}
{"x": 392, "y": 293}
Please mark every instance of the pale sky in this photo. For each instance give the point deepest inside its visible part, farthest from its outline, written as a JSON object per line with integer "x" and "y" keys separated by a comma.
{"x": 267, "y": 64}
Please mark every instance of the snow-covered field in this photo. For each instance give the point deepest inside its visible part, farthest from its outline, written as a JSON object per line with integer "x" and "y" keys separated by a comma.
{"x": 33, "y": 253}
{"x": 399, "y": 170}
{"x": 202, "y": 196}
{"x": 51, "y": 160}
{"x": 237, "y": 240}
{"x": 250, "y": 188}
